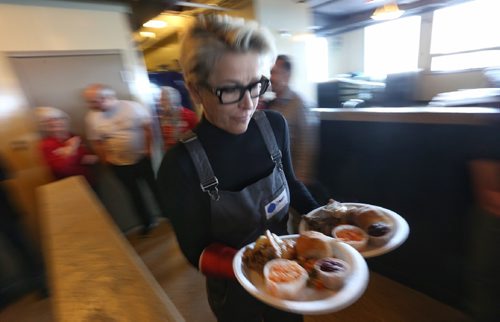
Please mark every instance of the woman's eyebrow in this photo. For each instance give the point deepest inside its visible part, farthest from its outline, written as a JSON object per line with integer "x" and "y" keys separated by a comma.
{"x": 232, "y": 82}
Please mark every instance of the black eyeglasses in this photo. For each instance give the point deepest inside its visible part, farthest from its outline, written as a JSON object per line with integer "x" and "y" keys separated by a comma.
{"x": 234, "y": 93}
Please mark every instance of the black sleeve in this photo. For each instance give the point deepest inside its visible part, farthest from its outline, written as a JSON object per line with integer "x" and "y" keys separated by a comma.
{"x": 301, "y": 198}
{"x": 184, "y": 203}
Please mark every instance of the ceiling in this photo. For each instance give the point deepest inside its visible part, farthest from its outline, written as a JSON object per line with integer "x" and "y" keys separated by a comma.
{"x": 336, "y": 16}
{"x": 330, "y": 16}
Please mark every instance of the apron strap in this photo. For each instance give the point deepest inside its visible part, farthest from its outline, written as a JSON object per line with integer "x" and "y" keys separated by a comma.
{"x": 268, "y": 136}
{"x": 208, "y": 181}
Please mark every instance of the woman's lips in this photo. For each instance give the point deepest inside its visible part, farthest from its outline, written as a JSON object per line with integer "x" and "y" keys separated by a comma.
{"x": 241, "y": 119}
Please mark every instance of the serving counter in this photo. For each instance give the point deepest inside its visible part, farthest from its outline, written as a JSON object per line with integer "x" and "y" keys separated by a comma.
{"x": 94, "y": 274}
{"x": 414, "y": 161}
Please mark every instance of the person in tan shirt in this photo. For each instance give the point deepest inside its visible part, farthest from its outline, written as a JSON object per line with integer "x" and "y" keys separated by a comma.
{"x": 120, "y": 134}
{"x": 302, "y": 122}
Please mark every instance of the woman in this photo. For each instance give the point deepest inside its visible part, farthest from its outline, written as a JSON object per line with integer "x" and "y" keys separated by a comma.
{"x": 174, "y": 118}
{"x": 232, "y": 178}
{"x": 63, "y": 152}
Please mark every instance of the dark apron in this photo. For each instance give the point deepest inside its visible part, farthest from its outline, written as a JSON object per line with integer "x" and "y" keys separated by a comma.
{"x": 239, "y": 218}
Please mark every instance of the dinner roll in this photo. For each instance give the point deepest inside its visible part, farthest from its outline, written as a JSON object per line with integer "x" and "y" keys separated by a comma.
{"x": 313, "y": 244}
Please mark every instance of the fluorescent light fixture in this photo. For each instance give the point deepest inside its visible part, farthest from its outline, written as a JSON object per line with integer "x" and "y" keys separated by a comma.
{"x": 303, "y": 36}
{"x": 147, "y": 34}
{"x": 200, "y": 5}
{"x": 155, "y": 24}
{"x": 285, "y": 33}
{"x": 387, "y": 12}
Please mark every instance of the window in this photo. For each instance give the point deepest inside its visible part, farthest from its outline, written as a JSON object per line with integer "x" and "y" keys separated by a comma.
{"x": 317, "y": 59}
{"x": 466, "y": 36}
{"x": 392, "y": 47}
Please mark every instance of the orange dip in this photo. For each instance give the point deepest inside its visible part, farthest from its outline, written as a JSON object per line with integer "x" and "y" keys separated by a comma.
{"x": 349, "y": 235}
{"x": 285, "y": 272}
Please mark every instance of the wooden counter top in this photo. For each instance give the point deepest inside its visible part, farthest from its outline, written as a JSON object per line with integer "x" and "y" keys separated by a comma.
{"x": 429, "y": 115}
{"x": 94, "y": 274}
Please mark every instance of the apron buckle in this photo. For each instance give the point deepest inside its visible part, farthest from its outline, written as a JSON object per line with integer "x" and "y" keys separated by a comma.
{"x": 210, "y": 187}
{"x": 214, "y": 194}
{"x": 277, "y": 159}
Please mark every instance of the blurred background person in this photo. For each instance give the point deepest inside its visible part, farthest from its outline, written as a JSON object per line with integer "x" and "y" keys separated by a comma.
{"x": 11, "y": 229}
{"x": 64, "y": 152}
{"x": 120, "y": 134}
{"x": 484, "y": 253}
{"x": 302, "y": 122}
{"x": 174, "y": 118}
{"x": 303, "y": 125}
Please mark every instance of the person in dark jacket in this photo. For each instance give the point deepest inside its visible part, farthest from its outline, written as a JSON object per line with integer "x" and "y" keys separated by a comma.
{"x": 232, "y": 177}
{"x": 12, "y": 230}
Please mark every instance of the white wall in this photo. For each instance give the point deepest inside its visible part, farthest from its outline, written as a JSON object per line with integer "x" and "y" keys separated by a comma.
{"x": 294, "y": 17}
{"x": 346, "y": 52}
{"x": 48, "y": 26}
{"x": 38, "y": 26}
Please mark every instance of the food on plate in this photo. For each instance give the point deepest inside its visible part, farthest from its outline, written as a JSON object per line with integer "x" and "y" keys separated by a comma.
{"x": 266, "y": 248}
{"x": 332, "y": 272}
{"x": 329, "y": 216}
{"x": 365, "y": 216}
{"x": 288, "y": 266}
{"x": 284, "y": 278}
{"x": 378, "y": 229}
{"x": 313, "y": 244}
{"x": 352, "y": 235}
{"x": 379, "y": 233}
{"x": 377, "y": 224}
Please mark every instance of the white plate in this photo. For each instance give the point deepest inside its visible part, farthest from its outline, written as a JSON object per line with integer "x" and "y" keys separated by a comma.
{"x": 311, "y": 301}
{"x": 401, "y": 231}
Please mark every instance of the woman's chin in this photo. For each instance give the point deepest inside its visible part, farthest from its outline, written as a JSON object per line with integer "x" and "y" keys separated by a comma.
{"x": 239, "y": 130}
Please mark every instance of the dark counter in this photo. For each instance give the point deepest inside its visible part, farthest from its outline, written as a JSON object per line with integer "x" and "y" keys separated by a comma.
{"x": 417, "y": 165}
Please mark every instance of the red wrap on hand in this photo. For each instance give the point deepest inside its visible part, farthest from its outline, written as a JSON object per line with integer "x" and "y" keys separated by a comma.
{"x": 217, "y": 261}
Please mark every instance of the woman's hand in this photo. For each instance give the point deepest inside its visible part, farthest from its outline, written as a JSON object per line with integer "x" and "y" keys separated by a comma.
{"x": 72, "y": 144}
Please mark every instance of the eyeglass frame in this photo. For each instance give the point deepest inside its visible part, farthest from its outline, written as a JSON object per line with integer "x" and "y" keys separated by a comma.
{"x": 219, "y": 91}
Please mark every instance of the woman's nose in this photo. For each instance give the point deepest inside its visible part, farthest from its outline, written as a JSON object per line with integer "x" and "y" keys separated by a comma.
{"x": 246, "y": 102}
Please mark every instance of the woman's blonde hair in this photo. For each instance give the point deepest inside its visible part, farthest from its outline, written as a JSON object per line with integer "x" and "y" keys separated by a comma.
{"x": 212, "y": 36}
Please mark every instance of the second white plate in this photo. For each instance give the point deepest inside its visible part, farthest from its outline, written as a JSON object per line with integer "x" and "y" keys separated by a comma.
{"x": 401, "y": 231}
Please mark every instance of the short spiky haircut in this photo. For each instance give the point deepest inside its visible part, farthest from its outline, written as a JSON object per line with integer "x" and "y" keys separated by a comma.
{"x": 212, "y": 36}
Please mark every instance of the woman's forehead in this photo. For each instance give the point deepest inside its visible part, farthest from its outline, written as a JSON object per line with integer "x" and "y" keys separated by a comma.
{"x": 240, "y": 67}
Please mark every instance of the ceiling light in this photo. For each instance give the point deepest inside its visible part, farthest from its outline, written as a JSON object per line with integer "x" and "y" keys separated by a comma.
{"x": 155, "y": 24}
{"x": 200, "y": 5}
{"x": 304, "y": 36}
{"x": 387, "y": 12}
{"x": 147, "y": 34}
{"x": 284, "y": 33}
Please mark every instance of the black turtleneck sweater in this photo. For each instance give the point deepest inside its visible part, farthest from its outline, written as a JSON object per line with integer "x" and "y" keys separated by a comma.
{"x": 237, "y": 161}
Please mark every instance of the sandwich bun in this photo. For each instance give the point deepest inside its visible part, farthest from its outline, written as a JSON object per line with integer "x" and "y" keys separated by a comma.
{"x": 366, "y": 216}
{"x": 313, "y": 244}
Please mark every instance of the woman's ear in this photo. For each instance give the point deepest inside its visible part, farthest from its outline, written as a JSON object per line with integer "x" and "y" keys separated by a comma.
{"x": 194, "y": 92}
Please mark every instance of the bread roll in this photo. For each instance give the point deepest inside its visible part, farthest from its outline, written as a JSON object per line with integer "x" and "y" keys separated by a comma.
{"x": 313, "y": 244}
{"x": 363, "y": 217}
